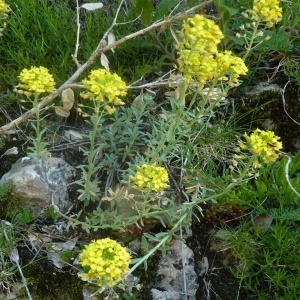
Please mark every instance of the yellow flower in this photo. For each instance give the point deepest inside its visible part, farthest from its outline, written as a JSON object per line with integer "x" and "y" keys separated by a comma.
{"x": 268, "y": 10}
{"x": 200, "y": 34}
{"x": 35, "y": 80}
{"x": 263, "y": 143}
{"x": 196, "y": 66}
{"x": 198, "y": 56}
{"x": 150, "y": 177}
{"x": 4, "y": 8}
{"x": 229, "y": 68}
{"x": 103, "y": 85}
{"x": 200, "y": 37}
{"x": 110, "y": 110}
{"x": 105, "y": 260}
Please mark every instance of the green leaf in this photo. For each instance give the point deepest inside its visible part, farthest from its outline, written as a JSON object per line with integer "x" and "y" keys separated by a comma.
{"x": 295, "y": 164}
{"x": 33, "y": 126}
{"x": 279, "y": 41}
{"x": 149, "y": 237}
{"x": 135, "y": 260}
{"x": 236, "y": 40}
{"x": 164, "y": 250}
{"x": 261, "y": 188}
{"x": 225, "y": 12}
{"x": 224, "y": 8}
{"x": 232, "y": 11}
{"x": 145, "y": 244}
{"x": 163, "y": 7}
{"x": 145, "y": 9}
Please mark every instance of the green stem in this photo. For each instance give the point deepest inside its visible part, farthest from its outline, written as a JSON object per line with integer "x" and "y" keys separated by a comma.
{"x": 132, "y": 220}
{"x": 95, "y": 121}
{"x": 204, "y": 111}
{"x": 38, "y": 138}
{"x": 254, "y": 35}
{"x": 156, "y": 39}
{"x": 167, "y": 141}
{"x": 163, "y": 241}
{"x": 187, "y": 208}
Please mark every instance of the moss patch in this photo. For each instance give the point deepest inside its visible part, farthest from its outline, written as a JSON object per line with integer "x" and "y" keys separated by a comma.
{"x": 47, "y": 283}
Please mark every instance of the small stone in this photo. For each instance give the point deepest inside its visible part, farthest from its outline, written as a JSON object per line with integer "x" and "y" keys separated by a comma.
{"x": 73, "y": 135}
{"x": 40, "y": 182}
{"x": 169, "y": 282}
{"x": 165, "y": 295}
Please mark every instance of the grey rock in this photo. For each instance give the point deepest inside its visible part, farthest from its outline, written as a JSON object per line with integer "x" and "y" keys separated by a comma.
{"x": 275, "y": 109}
{"x": 264, "y": 90}
{"x": 171, "y": 277}
{"x": 166, "y": 295}
{"x": 41, "y": 182}
{"x": 88, "y": 294}
{"x": 73, "y": 135}
{"x": 262, "y": 94}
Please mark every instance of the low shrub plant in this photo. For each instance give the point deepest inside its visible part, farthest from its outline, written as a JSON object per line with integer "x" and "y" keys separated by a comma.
{"x": 150, "y": 150}
{"x": 7, "y": 269}
{"x": 10, "y": 266}
{"x": 263, "y": 245}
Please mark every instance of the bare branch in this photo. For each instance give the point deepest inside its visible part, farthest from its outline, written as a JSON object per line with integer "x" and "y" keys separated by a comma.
{"x": 74, "y": 56}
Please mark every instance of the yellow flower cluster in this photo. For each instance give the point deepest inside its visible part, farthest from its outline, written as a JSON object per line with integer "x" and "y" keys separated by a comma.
{"x": 230, "y": 67}
{"x": 106, "y": 262}
{"x": 268, "y": 10}
{"x": 198, "y": 56}
{"x": 196, "y": 66}
{"x": 200, "y": 33}
{"x": 35, "y": 80}
{"x": 263, "y": 143}
{"x": 150, "y": 177}
{"x": 4, "y": 8}
{"x": 103, "y": 85}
